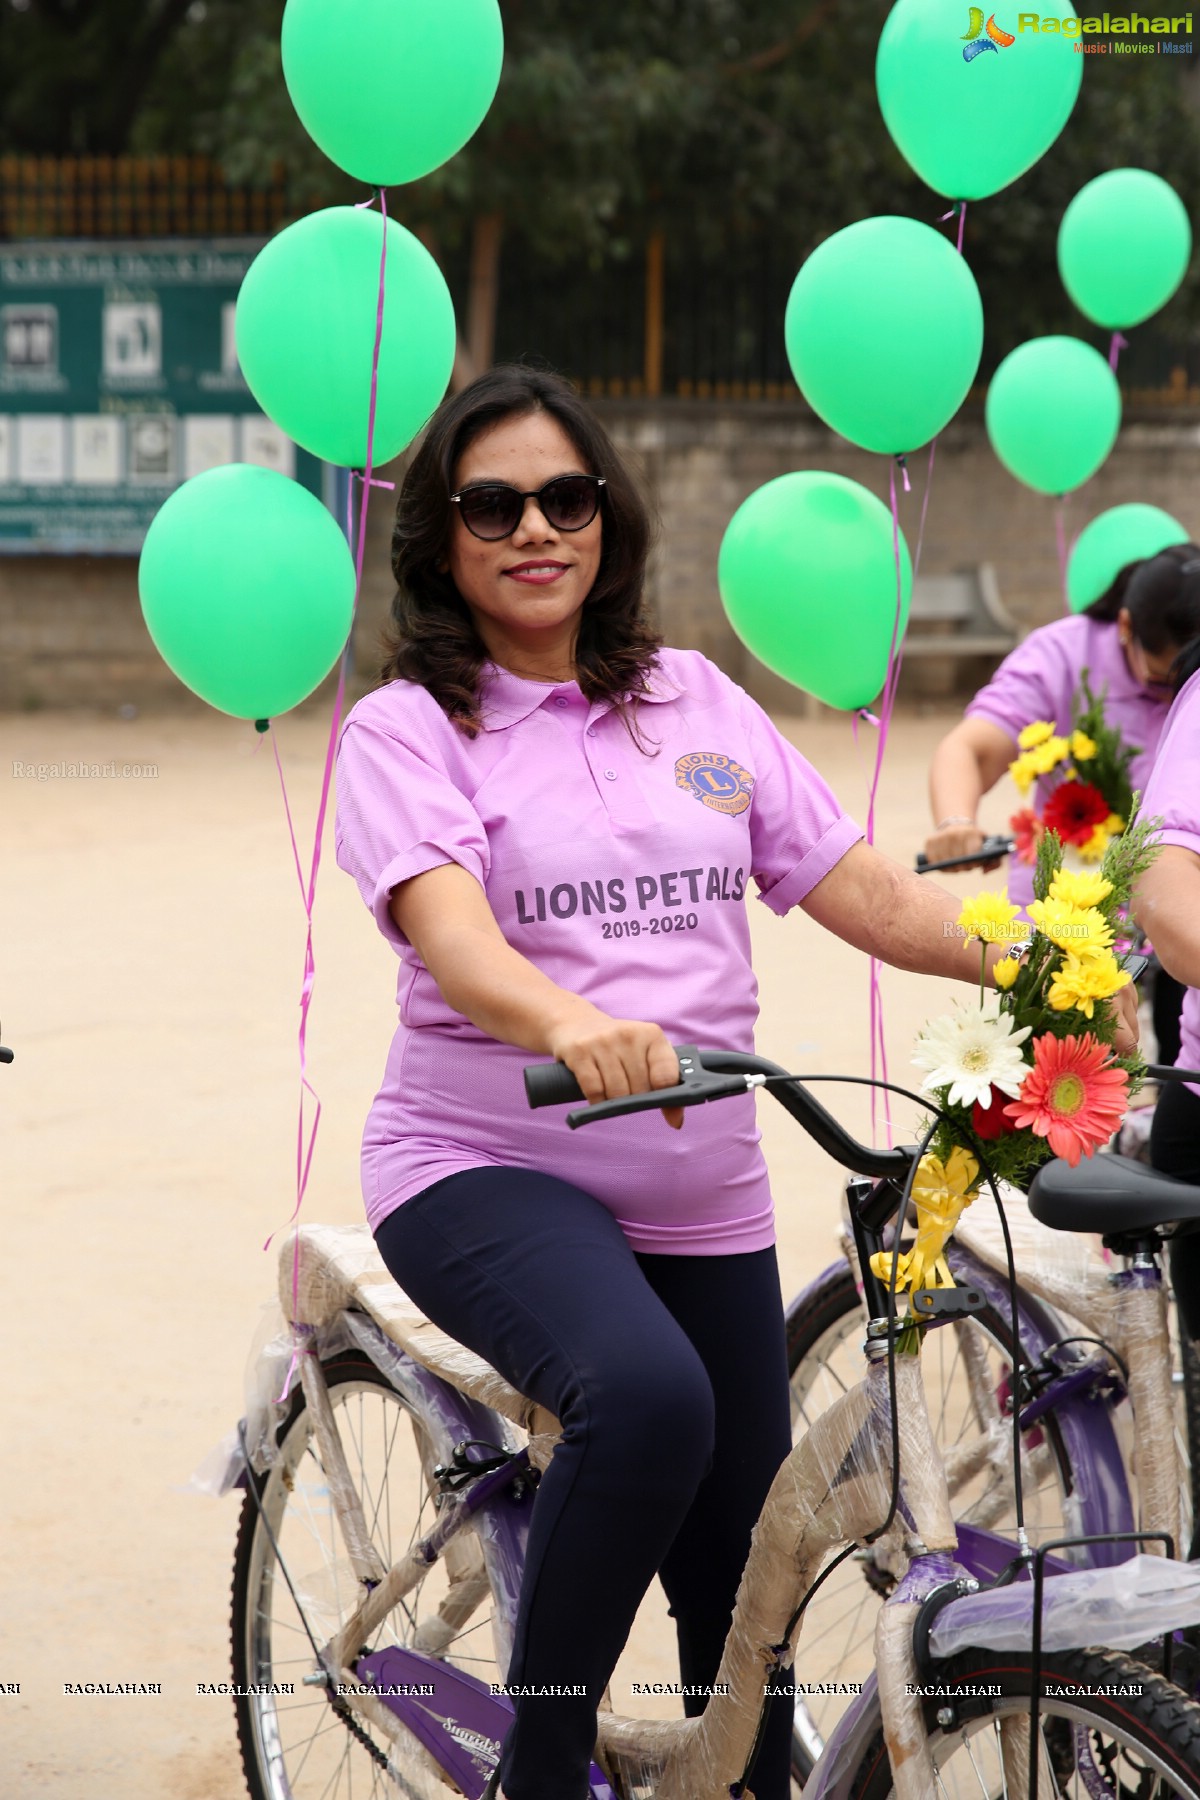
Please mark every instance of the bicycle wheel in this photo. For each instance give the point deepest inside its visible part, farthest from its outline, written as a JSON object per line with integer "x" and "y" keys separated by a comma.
{"x": 300, "y": 1745}
{"x": 1141, "y": 1742}
{"x": 967, "y": 1368}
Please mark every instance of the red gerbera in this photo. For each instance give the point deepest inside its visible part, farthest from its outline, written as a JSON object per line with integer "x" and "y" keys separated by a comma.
{"x": 989, "y": 1122}
{"x": 1028, "y": 831}
{"x": 1074, "y": 810}
{"x": 1072, "y": 1096}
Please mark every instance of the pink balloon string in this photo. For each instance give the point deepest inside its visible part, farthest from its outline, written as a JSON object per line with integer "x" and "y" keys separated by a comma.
{"x": 308, "y": 891}
{"x": 1115, "y": 348}
{"x": 879, "y": 1063}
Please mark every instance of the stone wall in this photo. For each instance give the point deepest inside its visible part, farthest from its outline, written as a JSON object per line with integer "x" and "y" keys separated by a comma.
{"x": 71, "y": 631}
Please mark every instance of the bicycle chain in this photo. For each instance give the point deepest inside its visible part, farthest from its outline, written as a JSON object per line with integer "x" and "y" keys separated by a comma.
{"x": 356, "y": 1731}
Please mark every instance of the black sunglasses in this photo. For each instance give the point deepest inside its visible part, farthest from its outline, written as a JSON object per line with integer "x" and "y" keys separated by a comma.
{"x": 493, "y": 509}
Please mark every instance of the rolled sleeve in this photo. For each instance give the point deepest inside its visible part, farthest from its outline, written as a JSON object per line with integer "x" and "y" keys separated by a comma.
{"x": 1029, "y": 684}
{"x": 841, "y": 836}
{"x": 798, "y": 829}
{"x": 399, "y": 815}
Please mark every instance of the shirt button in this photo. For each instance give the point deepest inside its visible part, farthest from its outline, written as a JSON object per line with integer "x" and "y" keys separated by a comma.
{"x": 591, "y": 731}
{"x": 561, "y": 700}
{"x": 610, "y": 774}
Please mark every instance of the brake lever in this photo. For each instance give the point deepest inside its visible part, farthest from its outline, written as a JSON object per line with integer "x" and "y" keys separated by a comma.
{"x": 697, "y": 1086}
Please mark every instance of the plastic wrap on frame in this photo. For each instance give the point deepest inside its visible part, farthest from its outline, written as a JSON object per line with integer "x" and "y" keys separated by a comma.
{"x": 340, "y": 1270}
{"x": 1123, "y": 1607}
{"x": 834, "y": 1488}
{"x": 1065, "y": 1269}
{"x": 1141, "y": 1330}
{"x": 903, "y": 1720}
{"x": 270, "y": 1376}
{"x": 477, "y": 1558}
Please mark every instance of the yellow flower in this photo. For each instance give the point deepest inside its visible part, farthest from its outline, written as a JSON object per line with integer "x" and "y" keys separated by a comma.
{"x": 1083, "y": 980}
{"x": 989, "y": 917}
{"x": 1072, "y": 928}
{"x": 1079, "y": 890}
{"x": 1047, "y": 756}
{"x": 1083, "y": 748}
{"x": 1023, "y": 773}
{"x": 1005, "y": 973}
{"x": 941, "y": 1192}
{"x": 1095, "y": 846}
{"x": 1037, "y": 733}
{"x": 1114, "y": 823}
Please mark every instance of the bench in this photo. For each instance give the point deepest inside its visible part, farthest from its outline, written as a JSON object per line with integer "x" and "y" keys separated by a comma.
{"x": 960, "y": 615}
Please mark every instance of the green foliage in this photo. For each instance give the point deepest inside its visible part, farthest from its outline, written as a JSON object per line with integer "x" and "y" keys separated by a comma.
{"x": 724, "y": 122}
{"x": 1108, "y": 770}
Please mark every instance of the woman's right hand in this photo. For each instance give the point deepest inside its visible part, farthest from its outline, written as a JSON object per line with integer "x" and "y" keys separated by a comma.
{"x": 957, "y": 840}
{"x": 610, "y": 1058}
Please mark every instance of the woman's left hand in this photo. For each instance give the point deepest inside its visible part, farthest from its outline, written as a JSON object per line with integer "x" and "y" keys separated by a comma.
{"x": 1125, "y": 1012}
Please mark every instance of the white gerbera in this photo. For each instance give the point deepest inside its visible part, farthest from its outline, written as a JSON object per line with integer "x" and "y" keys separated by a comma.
{"x": 973, "y": 1051}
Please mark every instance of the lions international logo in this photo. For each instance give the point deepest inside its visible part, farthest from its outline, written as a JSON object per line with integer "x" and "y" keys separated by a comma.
{"x": 715, "y": 780}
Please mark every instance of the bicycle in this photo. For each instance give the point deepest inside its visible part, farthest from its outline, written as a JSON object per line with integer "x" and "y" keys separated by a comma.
{"x": 383, "y": 1630}
{"x": 1090, "y": 1338}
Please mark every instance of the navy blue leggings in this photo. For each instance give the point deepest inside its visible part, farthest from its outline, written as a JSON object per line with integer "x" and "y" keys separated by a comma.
{"x": 669, "y": 1377}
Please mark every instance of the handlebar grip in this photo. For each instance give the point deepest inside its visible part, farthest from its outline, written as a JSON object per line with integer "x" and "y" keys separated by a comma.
{"x": 551, "y": 1084}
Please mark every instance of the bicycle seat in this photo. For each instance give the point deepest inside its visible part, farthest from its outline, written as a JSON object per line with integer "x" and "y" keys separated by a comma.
{"x": 338, "y": 1269}
{"x": 1111, "y": 1195}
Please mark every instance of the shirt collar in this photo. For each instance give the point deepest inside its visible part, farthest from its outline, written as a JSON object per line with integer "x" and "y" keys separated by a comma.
{"x": 506, "y": 699}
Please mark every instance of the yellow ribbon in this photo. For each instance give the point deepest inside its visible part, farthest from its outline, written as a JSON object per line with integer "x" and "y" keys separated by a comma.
{"x": 941, "y": 1191}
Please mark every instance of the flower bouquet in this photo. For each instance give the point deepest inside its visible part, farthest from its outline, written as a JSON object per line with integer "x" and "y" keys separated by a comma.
{"x": 1093, "y": 797}
{"x": 1028, "y": 1070}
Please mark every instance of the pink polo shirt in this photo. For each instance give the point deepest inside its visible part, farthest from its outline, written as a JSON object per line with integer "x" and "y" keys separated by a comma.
{"x": 1173, "y": 792}
{"x": 1040, "y": 679}
{"x": 622, "y": 873}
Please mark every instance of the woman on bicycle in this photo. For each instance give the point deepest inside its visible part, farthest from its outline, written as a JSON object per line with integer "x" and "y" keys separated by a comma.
{"x": 1167, "y": 906}
{"x": 1127, "y": 641}
{"x": 555, "y": 822}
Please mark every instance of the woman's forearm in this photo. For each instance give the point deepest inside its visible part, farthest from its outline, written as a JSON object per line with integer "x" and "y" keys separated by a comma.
{"x": 903, "y": 919}
{"x": 498, "y": 989}
{"x": 1167, "y": 907}
{"x": 955, "y": 782}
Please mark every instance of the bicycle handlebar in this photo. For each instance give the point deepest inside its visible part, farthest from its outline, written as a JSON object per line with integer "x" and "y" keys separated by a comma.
{"x": 991, "y": 850}
{"x": 713, "y": 1075}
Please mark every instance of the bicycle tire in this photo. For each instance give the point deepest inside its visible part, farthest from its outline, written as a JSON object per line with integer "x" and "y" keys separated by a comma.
{"x": 299, "y": 1746}
{"x": 1144, "y": 1743}
{"x": 841, "y": 1626}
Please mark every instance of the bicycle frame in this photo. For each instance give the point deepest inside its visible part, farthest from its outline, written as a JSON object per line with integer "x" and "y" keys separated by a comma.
{"x": 832, "y": 1489}
{"x": 1076, "y": 1398}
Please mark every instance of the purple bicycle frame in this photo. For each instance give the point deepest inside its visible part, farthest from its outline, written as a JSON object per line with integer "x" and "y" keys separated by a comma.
{"x": 458, "y": 1719}
{"x": 461, "y": 1722}
{"x": 1081, "y": 1414}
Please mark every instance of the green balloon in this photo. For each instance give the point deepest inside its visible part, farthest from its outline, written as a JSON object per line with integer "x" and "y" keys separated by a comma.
{"x": 967, "y": 109}
{"x": 808, "y": 578}
{"x": 390, "y": 89}
{"x": 1053, "y": 412}
{"x": 305, "y": 330}
{"x": 247, "y": 588}
{"x": 1123, "y": 534}
{"x": 1124, "y": 246}
{"x": 884, "y": 330}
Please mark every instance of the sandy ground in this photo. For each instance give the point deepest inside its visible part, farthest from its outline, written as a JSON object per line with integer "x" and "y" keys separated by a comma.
{"x": 151, "y": 953}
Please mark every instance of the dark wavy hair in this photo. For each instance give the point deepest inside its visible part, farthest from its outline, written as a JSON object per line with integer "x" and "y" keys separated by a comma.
{"x": 432, "y": 638}
{"x": 1162, "y": 596}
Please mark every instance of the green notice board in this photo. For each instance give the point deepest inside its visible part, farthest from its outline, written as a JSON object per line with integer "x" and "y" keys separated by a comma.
{"x": 118, "y": 380}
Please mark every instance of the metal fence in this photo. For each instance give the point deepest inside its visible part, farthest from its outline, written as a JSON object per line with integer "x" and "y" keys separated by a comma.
{"x": 665, "y": 320}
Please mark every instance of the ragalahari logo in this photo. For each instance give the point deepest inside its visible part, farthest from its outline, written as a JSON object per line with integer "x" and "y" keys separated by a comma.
{"x": 975, "y": 43}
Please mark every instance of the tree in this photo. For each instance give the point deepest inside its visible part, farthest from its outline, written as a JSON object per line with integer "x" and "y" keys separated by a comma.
{"x": 723, "y": 123}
